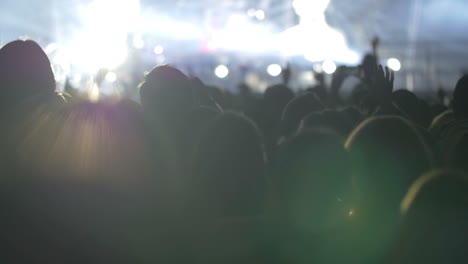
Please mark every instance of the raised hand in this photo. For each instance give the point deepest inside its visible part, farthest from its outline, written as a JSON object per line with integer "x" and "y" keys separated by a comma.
{"x": 383, "y": 84}
{"x": 286, "y": 74}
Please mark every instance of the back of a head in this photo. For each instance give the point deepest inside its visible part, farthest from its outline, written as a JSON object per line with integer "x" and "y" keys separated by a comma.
{"x": 413, "y": 108}
{"x": 310, "y": 172}
{"x": 296, "y": 110}
{"x": 166, "y": 92}
{"x": 460, "y": 98}
{"x": 25, "y": 71}
{"x": 388, "y": 154}
{"x": 337, "y": 121}
{"x": 277, "y": 96}
{"x": 228, "y": 169}
{"x": 457, "y": 150}
{"x": 434, "y": 228}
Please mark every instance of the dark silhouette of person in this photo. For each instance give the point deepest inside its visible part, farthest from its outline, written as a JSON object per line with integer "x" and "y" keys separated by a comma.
{"x": 340, "y": 121}
{"x": 29, "y": 107}
{"x": 312, "y": 185}
{"x": 275, "y": 98}
{"x": 26, "y": 75}
{"x": 412, "y": 107}
{"x": 226, "y": 193}
{"x": 298, "y": 108}
{"x": 228, "y": 175}
{"x": 167, "y": 101}
{"x": 460, "y": 97}
{"x": 434, "y": 228}
{"x": 388, "y": 154}
{"x": 166, "y": 95}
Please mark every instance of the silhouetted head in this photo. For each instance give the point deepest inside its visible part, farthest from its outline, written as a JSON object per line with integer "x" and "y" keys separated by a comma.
{"x": 228, "y": 173}
{"x": 338, "y": 121}
{"x": 296, "y": 110}
{"x": 441, "y": 122}
{"x": 166, "y": 93}
{"x": 414, "y": 108}
{"x": 435, "y": 223}
{"x": 437, "y": 109}
{"x": 277, "y": 96}
{"x": 457, "y": 148}
{"x": 310, "y": 173}
{"x": 199, "y": 118}
{"x": 274, "y": 100}
{"x": 25, "y": 71}
{"x": 388, "y": 154}
{"x": 460, "y": 98}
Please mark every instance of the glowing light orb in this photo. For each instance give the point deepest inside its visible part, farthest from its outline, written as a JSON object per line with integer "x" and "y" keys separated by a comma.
{"x": 329, "y": 66}
{"x": 260, "y": 14}
{"x": 221, "y": 71}
{"x": 274, "y": 70}
{"x": 394, "y": 64}
{"x": 317, "y": 68}
{"x": 138, "y": 42}
{"x": 158, "y": 50}
{"x": 111, "y": 77}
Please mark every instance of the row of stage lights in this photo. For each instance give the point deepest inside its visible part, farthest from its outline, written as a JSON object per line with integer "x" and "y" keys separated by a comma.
{"x": 222, "y": 71}
{"x": 327, "y": 66}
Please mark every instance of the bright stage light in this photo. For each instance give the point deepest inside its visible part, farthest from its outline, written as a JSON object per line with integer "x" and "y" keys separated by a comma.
{"x": 111, "y": 77}
{"x": 274, "y": 70}
{"x": 328, "y": 66}
{"x": 394, "y": 64}
{"x": 317, "y": 68}
{"x": 51, "y": 48}
{"x": 158, "y": 50}
{"x": 138, "y": 42}
{"x": 101, "y": 41}
{"x": 94, "y": 93}
{"x": 240, "y": 34}
{"x": 305, "y": 7}
{"x": 251, "y": 12}
{"x": 260, "y": 14}
{"x": 313, "y": 37}
{"x": 221, "y": 71}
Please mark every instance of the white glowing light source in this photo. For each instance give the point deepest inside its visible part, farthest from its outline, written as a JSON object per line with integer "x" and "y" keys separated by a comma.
{"x": 138, "y": 42}
{"x": 94, "y": 93}
{"x": 394, "y": 64}
{"x": 101, "y": 41}
{"x": 317, "y": 68}
{"x": 51, "y": 48}
{"x": 251, "y": 12}
{"x": 111, "y": 77}
{"x": 305, "y": 7}
{"x": 241, "y": 34}
{"x": 158, "y": 50}
{"x": 274, "y": 70}
{"x": 260, "y": 14}
{"x": 302, "y": 39}
{"x": 328, "y": 66}
{"x": 221, "y": 71}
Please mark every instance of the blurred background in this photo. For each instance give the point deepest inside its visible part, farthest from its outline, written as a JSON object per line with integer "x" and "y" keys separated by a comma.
{"x": 226, "y": 42}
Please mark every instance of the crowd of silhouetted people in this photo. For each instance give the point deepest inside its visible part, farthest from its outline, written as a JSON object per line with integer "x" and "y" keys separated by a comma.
{"x": 197, "y": 174}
